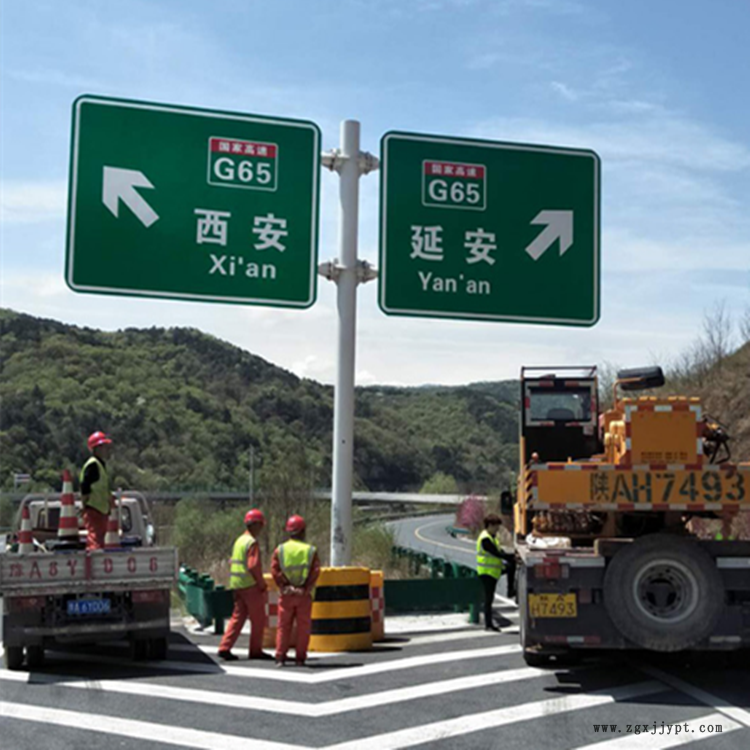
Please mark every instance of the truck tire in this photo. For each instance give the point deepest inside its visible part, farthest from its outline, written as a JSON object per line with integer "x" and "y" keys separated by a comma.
{"x": 13, "y": 657}
{"x": 157, "y": 649}
{"x": 663, "y": 592}
{"x": 139, "y": 649}
{"x": 34, "y": 656}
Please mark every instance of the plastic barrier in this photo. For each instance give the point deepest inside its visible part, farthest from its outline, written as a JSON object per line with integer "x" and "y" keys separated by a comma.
{"x": 341, "y": 612}
{"x": 377, "y": 604}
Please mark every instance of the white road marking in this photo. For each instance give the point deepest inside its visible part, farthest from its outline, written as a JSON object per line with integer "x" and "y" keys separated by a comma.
{"x": 283, "y": 706}
{"x": 719, "y": 704}
{"x": 441, "y": 730}
{"x": 294, "y": 675}
{"x": 648, "y": 741}
{"x": 202, "y": 740}
{"x": 141, "y": 730}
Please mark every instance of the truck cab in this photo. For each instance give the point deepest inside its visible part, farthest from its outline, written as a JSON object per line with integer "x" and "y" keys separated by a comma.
{"x": 135, "y": 519}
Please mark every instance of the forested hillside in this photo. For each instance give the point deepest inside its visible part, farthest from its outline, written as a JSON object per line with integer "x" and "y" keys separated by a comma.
{"x": 185, "y": 410}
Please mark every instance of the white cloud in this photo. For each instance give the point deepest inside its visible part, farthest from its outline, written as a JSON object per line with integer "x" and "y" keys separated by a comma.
{"x": 24, "y": 202}
{"x": 565, "y": 91}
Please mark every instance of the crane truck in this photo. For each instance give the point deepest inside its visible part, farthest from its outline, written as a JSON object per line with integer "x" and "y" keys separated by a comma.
{"x": 608, "y": 550}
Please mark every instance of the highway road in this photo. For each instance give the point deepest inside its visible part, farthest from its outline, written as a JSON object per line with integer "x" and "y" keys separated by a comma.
{"x": 436, "y": 682}
{"x": 428, "y": 534}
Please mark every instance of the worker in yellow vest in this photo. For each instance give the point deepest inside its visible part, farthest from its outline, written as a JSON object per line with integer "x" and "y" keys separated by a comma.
{"x": 491, "y": 561}
{"x": 248, "y": 589}
{"x": 96, "y": 496}
{"x": 295, "y": 567}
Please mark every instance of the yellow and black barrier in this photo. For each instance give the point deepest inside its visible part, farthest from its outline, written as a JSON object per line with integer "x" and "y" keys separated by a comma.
{"x": 341, "y": 611}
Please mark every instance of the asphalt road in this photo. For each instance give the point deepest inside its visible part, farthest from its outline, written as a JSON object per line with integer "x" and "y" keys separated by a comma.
{"x": 428, "y": 534}
{"x": 436, "y": 682}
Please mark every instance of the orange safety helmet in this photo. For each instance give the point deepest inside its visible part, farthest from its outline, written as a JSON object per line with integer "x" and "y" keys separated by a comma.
{"x": 254, "y": 516}
{"x": 295, "y": 524}
{"x": 98, "y": 438}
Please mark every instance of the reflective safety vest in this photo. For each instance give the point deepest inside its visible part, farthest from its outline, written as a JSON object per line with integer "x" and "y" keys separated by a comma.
{"x": 239, "y": 578}
{"x": 488, "y": 565}
{"x": 719, "y": 537}
{"x": 100, "y": 492}
{"x": 295, "y": 559}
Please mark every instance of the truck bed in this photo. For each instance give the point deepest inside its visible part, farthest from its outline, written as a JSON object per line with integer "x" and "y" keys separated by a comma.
{"x": 81, "y": 571}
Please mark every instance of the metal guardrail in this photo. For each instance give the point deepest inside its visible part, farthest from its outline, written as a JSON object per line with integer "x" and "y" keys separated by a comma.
{"x": 450, "y": 586}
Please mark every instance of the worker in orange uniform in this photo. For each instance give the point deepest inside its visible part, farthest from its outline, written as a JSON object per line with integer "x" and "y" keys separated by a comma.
{"x": 249, "y": 590}
{"x": 295, "y": 567}
{"x": 96, "y": 495}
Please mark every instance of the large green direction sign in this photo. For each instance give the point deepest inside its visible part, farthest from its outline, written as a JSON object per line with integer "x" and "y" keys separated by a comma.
{"x": 167, "y": 201}
{"x": 488, "y": 231}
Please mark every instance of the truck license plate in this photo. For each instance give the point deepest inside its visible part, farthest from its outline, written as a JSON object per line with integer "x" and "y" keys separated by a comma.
{"x": 553, "y": 605}
{"x": 89, "y": 606}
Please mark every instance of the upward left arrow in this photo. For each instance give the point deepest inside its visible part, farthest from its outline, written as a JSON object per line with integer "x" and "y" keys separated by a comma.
{"x": 119, "y": 185}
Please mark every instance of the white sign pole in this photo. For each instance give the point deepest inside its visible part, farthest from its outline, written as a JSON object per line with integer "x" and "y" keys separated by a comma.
{"x": 347, "y": 272}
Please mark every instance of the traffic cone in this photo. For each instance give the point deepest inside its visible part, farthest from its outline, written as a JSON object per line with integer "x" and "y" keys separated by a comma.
{"x": 112, "y": 537}
{"x": 67, "y": 530}
{"x": 25, "y": 542}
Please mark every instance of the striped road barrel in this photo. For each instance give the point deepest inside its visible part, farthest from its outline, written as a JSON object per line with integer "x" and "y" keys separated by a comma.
{"x": 341, "y": 610}
{"x": 377, "y": 605}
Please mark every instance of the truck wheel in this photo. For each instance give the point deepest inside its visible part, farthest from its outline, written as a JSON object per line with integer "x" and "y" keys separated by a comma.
{"x": 157, "y": 649}
{"x": 13, "y": 657}
{"x": 139, "y": 649}
{"x": 536, "y": 658}
{"x": 663, "y": 592}
{"x": 34, "y": 656}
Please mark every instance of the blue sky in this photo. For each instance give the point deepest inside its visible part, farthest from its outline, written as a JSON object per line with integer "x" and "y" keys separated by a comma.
{"x": 659, "y": 90}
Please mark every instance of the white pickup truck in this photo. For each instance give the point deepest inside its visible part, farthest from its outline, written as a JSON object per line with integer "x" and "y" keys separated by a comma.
{"x": 75, "y": 596}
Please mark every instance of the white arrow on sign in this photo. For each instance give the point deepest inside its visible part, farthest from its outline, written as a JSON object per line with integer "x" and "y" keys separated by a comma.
{"x": 119, "y": 185}
{"x": 559, "y": 226}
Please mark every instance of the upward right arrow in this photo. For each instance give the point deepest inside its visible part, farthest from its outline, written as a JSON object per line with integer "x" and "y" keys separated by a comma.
{"x": 559, "y": 226}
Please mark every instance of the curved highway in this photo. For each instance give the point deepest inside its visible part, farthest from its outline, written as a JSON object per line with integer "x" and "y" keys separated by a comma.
{"x": 428, "y": 534}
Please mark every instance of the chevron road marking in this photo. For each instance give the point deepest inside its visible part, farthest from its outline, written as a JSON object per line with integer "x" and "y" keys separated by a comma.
{"x": 292, "y": 675}
{"x": 202, "y": 740}
{"x": 468, "y": 633}
{"x": 726, "y": 708}
{"x": 140, "y": 730}
{"x": 441, "y": 730}
{"x": 282, "y": 706}
{"x": 650, "y": 741}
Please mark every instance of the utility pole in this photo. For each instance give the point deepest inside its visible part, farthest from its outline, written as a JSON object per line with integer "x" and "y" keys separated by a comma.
{"x": 347, "y": 271}
{"x": 251, "y": 479}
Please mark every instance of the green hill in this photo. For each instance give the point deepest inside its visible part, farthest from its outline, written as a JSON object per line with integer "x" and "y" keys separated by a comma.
{"x": 185, "y": 409}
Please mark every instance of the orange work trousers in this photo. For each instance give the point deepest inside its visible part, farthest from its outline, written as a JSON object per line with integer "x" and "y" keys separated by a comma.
{"x": 248, "y": 603}
{"x": 96, "y": 526}
{"x": 294, "y": 607}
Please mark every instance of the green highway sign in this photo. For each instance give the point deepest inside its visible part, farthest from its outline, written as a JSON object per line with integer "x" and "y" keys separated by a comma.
{"x": 168, "y": 201}
{"x": 485, "y": 230}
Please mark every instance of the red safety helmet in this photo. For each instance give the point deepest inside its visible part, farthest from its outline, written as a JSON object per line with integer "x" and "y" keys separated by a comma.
{"x": 254, "y": 516}
{"x": 98, "y": 438}
{"x": 295, "y": 524}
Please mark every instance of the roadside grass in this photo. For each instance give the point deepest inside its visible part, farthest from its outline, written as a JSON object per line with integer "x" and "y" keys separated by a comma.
{"x": 204, "y": 535}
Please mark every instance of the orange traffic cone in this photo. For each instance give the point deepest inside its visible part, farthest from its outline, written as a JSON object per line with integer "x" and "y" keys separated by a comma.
{"x": 112, "y": 537}
{"x": 67, "y": 530}
{"x": 25, "y": 542}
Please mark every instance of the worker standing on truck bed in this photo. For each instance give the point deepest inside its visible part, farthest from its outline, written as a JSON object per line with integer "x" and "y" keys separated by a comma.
{"x": 249, "y": 590}
{"x": 295, "y": 567}
{"x": 491, "y": 560}
{"x": 96, "y": 495}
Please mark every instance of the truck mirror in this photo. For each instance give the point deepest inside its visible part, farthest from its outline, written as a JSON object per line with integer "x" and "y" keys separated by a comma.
{"x": 640, "y": 378}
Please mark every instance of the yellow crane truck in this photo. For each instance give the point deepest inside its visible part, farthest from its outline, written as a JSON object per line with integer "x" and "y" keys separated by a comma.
{"x": 604, "y": 520}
